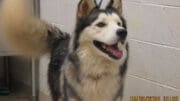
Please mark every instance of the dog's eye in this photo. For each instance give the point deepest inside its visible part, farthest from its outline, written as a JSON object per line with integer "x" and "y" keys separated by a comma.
{"x": 101, "y": 24}
{"x": 119, "y": 24}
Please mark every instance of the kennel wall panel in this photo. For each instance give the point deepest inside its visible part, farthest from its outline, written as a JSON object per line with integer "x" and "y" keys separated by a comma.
{"x": 137, "y": 86}
{"x": 158, "y": 2}
{"x": 153, "y": 23}
{"x": 155, "y": 62}
{"x": 154, "y": 47}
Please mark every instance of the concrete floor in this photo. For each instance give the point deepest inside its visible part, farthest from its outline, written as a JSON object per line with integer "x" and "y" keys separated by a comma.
{"x": 10, "y": 98}
{"x": 24, "y": 95}
{"x": 19, "y": 92}
{"x": 19, "y": 95}
{"x": 15, "y": 97}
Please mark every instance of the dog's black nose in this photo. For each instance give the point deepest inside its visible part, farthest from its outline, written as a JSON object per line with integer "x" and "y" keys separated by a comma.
{"x": 122, "y": 34}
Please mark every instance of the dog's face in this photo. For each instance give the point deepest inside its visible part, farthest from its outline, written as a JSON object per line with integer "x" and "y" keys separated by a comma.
{"x": 102, "y": 31}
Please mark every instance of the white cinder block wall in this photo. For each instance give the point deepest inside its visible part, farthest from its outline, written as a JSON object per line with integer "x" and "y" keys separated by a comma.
{"x": 154, "y": 36}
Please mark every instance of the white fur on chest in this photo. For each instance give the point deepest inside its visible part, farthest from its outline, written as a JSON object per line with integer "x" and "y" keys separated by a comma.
{"x": 99, "y": 78}
{"x": 104, "y": 89}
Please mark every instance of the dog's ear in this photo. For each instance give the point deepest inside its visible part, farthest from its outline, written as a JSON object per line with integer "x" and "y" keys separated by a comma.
{"x": 85, "y": 7}
{"x": 116, "y": 5}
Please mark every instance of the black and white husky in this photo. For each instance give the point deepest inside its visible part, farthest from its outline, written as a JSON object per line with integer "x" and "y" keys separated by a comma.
{"x": 90, "y": 65}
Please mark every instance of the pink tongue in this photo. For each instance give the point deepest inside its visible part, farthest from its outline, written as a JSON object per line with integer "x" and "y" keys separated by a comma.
{"x": 115, "y": 52}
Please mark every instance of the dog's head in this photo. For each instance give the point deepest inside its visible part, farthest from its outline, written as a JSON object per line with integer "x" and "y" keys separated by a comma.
{"x": 103, "y": 31}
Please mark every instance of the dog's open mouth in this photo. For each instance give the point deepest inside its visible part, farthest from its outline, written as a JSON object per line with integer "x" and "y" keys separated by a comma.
{"x": 110, "y": 50}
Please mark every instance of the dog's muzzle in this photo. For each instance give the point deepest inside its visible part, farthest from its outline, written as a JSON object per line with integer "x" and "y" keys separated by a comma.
{"x": 122, "y": 34}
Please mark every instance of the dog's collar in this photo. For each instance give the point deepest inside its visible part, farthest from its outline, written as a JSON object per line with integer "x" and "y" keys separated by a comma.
{"x": 100, "y": 3}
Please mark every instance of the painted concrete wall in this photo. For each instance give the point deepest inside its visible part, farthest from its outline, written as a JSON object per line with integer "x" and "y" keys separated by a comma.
{"x": 155, "y": 47}
{"x": 154, "y": 36}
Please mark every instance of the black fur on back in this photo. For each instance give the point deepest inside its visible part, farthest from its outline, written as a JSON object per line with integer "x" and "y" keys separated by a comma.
{"x": 59, "y": 52}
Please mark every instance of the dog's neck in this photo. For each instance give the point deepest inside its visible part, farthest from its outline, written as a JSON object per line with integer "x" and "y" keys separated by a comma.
{"x": 89, "y": 70}
{"x": 93, "y": 66}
